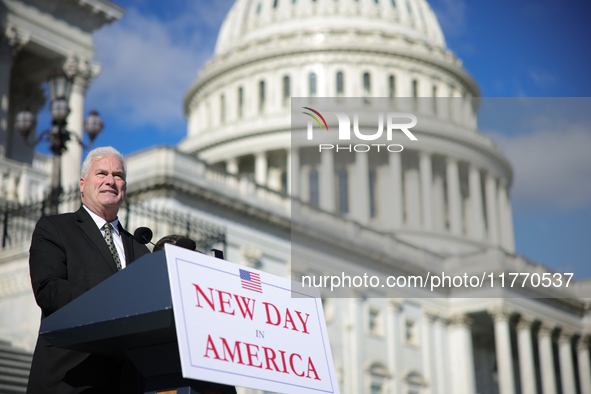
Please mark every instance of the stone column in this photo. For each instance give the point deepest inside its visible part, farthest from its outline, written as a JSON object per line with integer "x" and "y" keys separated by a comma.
{"x": 546, "y": 358}
{"x": 454, "y": 197}
{"x": 567, "y": 370}
{"x": 293, "y": 171}
{"x": 260, "y": 168}
{"x": 352, "y": 332}
{"x": 426, "y": 175}
{"x": 476, "y": 223}
{"x": 506, "y": 218}
{"x": 232, "y": 166}
{"x": 463, "y": 379}
{"x": 326, "y": 181}
{"x": 391, "y": 194}
{"x": 491, "y": 209}
{"x": 504, "y": 354}
{"x": 584, "y": 365}
{"x": 526, "y": 355}
{"x": 440, "y": 352}
{"x": 82, "y": 72}
{"x": 438, "y": 211}
{"x": 428, "y": 348}
{"x": 412, "y": 195}
{"x": 394, "y": 341}
{"x": 359, "y": 189}
{"x": 12, "y": 42}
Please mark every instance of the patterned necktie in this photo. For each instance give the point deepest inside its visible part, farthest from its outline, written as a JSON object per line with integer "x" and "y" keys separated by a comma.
{"x": 109, "y": 240}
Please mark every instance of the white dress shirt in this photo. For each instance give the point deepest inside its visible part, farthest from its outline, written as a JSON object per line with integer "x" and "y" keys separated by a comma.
{"x": 100, "y": 222}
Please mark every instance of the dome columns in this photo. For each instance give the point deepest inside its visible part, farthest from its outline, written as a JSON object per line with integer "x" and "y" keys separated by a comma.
{"x": 454, "y": 196}
{"x": 425, "y": 168}
{"x": 584, "y": 365}
{"x": 418, "y": 190}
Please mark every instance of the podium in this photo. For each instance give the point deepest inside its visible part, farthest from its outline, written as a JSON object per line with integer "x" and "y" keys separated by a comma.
{"x": 130, "y": 315}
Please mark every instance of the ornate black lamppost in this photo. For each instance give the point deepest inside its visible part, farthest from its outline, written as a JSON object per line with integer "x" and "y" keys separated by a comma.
{"x": 60, "y": 87}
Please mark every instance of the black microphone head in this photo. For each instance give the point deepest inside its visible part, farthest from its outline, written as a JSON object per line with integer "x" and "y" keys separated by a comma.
{"x": 186, "y": 243}
{"x": 143, "y": 235}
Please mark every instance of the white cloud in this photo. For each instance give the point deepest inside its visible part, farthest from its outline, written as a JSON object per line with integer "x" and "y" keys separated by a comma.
{"x": 148, "y": 64}
{"x": 552, "y": 167}
{"x": 541, "y": 77}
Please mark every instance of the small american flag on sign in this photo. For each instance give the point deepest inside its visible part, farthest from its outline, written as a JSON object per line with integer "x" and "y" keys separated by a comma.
{"x": 251, "y": 281}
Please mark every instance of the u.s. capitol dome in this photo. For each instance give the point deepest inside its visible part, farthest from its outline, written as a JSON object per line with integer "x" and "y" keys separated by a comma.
{"x": 449, "y": 195}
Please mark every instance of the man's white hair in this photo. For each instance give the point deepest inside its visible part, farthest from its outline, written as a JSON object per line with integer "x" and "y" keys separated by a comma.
{"x": 98, "y": 154}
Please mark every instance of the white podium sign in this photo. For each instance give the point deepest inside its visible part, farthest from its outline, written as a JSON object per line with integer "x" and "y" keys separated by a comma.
{"x": 240, "y": 326}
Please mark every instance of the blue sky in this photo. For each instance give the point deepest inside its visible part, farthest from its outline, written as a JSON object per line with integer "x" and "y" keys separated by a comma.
{"x": 518, "y": 48}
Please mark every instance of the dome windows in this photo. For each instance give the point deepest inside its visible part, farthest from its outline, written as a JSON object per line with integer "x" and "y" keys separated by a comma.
{"x": 340, "y": 84}
{"x": 286, "y": 90}
{"x": 391, "y": 86}
{"x": 261, "y": 96}
{"x": 366, "y": 84}
{"x": 240, "y": 102}
{"x": 313, "y": 92}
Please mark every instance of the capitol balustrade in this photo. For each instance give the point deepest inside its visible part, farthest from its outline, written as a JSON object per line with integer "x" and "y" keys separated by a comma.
{"x": 22, "y": 182}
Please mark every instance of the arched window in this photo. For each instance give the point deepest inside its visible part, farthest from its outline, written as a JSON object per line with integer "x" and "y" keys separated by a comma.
{"x": 340, "y": 84}
{"x": 286, "y": 90}
{"x": 240, "y": 101}
{"x": 366, "y": 84}
{"x": 391, "y": 86}
{"x": 261, "y": 96}
{"x": 314, "y": 192}
{"x": 312, "y": 85}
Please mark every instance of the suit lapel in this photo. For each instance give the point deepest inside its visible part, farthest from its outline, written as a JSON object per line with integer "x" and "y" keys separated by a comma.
{"x": 88, "y": 227}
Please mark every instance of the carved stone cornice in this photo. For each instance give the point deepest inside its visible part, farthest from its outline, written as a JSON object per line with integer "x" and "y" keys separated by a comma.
{"x": 566, "y": 336}
{"x": 81, "y": 70}
{"x": 396, "y": 303}
{"x": 583, "y": 344}
{"x": 546, "y": 329}
{"x": 525, "y": 322}
{"x": 501, "y": 313}
{"x": 461, "y": 320}
{"x": 14, "y": 39}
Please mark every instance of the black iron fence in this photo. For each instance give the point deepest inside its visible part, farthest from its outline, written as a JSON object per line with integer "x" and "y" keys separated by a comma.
{"x": 17, "y": 221}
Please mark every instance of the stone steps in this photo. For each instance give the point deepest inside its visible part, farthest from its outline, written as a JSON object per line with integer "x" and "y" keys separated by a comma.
{"x": 14, "y": 369}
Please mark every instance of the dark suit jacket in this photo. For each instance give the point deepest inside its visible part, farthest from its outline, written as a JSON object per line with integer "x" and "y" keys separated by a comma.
{"x": 68, "y": 257}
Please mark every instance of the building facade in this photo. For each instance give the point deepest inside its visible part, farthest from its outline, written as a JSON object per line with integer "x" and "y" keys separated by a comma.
{"x": 278, "y": 205}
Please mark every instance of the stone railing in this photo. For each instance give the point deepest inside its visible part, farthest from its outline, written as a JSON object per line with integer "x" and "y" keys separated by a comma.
{"x": 22, "y": 182}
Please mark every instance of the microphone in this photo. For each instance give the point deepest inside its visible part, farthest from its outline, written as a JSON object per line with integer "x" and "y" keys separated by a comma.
{"x": 143, "y": 235}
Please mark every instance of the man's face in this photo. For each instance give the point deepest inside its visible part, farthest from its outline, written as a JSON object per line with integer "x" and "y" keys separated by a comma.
{"x": 104, "y": 189}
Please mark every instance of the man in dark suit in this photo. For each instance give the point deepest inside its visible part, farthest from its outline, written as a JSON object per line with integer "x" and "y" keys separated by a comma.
{"x": 70, "y": 254}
